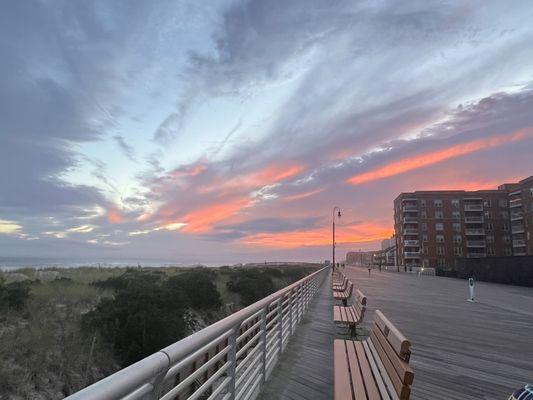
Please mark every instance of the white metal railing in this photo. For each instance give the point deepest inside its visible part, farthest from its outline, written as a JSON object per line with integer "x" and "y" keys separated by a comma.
{"x": 230, "y": 359}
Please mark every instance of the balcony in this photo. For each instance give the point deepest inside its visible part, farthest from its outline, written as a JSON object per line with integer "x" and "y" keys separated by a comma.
{"x": 474, "y": 220}
{"x": 410, "y": 220}
{"x": 517, "y": 229}
{"x": 410, "y": 200}
{"x": 411, "y": 254}
{"x": 410, "y": 208}
{"x": 475, "y": 243}
{"x": 476, "y": 255}
{"x": 411, "y": 243}
{"x": 410, "y": 231}
{"x": 519, "y": 253}
{"x": 516, "y": 216}
{"x": 473, "y": 207}
{"x": 515, "y": 203}
{"x": 519, "y": 243}
{"x": 474, "y": 232}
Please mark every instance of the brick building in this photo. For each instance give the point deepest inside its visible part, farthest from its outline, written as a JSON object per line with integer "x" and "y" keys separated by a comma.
{"x": 433, "y": 228}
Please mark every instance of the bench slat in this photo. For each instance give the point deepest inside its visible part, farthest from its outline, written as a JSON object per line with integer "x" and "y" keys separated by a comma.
{"x": 370, "y": 384}
{"x": 342, "y": 386}
{"x": 382, "y": 372}
{"x": 398, "y": 341}
{"x": 375, "y": 372}
{"x": 405, "y": 373}
{"x": 355, "y": 372}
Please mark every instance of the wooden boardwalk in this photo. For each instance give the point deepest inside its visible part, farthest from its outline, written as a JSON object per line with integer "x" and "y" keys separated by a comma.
{"x": 461, "y": 350}
{"x": 305, "y": 370}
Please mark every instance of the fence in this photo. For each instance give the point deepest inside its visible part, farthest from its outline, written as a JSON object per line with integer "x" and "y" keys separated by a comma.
{"x": 230, "y": 359}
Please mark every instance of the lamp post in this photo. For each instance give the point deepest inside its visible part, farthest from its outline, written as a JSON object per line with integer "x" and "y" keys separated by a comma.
{"x": 336, "y": 208}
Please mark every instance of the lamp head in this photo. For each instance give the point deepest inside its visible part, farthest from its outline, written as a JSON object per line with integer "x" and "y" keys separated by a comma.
{"x": 339, "y": 214}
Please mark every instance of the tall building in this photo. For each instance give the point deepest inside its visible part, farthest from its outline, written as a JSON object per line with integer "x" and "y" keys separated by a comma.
{"x": 433, "y": 228}
{"x": 521, "y": 215}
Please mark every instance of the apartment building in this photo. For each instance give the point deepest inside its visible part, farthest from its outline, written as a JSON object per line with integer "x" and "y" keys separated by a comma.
{"x": 433, "y": 228}
{"x": 521, "y": 215}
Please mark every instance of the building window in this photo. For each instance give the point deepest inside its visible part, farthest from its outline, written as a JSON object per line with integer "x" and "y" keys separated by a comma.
{"x": 423, "y": 214}
{"x": 508, "y": 251}
{"x": 489, "y": 226}
{"x": 502, "y": 203}
{"x": 437, "y": 203}
{"x": 439, "y": 238}
{"x": 505, "y": 226}
{"x": 457, "y": 238}
{"x": 486, "y": 203}
{"x": 440, "y": 262}
{"x": 458, "y": 251}
{"x": 490, "y": 251}
{"x": 490, "y": 239}
{"x": 488, "y": 214}
{"x": 455, "y": 203}
{"x": 423, "y": 203}
{"x": 504, "y": 214}
{"x": 439, "y": 215}
{"x": 439, "y": 226}
{"x": 424, "y": 238}
{"x": 424, "y": 226}
{"x": 456, "y": 215}
{"x": 440, "y": 250}
{"x": 425, "y": 251}
{"x": 456, "y": 227}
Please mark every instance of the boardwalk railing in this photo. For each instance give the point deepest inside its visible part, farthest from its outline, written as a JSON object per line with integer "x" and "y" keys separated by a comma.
{"x": 230, "y": 359}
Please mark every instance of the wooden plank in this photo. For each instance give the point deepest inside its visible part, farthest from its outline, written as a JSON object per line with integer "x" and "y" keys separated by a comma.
{"x": 398, "y": 341}
{"x": 382, "y": 371}
{"x": 343, "y": 389}
{"x": 375, "y": 372}
{"x": 355, "y": 373}
{"x": 389, "y": 368}
{"x": 370, "y": 384}
{"x": 402, "y": 368}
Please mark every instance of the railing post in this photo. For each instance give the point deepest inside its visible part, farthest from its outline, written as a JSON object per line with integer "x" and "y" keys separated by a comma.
{"x": 290, "y": 312}
{"x": 280, "y": 330}
{"x": 232, "y": 357}
{"x": 264, "y": 341}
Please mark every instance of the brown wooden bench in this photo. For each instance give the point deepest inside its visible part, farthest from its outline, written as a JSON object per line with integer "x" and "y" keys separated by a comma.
{"x": 351, "y": 315}
{"x": 376, "y": 368}
{"x": 340, "y": 287}
{"x": 345, "y": 294}
{"x": 338, "y": 277}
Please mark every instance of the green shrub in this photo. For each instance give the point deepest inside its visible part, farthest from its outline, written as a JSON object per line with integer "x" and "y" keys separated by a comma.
{"x": 199, "y": 286}
{"x": 14, "y": 295}
{"x": 251, "y": 284}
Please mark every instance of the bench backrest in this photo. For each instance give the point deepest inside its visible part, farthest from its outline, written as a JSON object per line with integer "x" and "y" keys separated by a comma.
{"x": 360, "y": 304}
{"x": 350, "y": 289}
{"x": 394, "y": 350}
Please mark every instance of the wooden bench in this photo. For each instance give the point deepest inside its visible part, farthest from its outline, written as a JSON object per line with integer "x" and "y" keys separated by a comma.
{"x": 351, "y": 315}
{"x": 345, "y": 294}
{"x": 376, "y": 368}
{"x": 338, "y": 277}
{"x": 340, "y": 287}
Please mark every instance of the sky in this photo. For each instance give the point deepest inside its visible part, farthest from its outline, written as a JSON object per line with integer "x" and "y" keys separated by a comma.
{"x": 227, "y": 130}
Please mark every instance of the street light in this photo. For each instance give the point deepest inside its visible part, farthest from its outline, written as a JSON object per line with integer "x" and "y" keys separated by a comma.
{"x": 336, "y": 208}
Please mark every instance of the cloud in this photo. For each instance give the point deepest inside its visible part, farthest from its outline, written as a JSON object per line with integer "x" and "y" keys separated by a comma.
{"x": 128, "y": 150}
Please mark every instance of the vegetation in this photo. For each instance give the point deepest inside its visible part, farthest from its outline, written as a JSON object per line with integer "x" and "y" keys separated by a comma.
{"x": 63, "y": 329}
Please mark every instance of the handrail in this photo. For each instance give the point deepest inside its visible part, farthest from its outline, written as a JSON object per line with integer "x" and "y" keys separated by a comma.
{"x": 168, "y": 370}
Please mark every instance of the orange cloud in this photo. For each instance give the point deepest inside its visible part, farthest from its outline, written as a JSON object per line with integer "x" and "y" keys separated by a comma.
{"x": 266, "y": 176}
{"x": 114, "y": 216}
{"x": 303, "y": 195}
{"x": 360, "y": 233}
{"x": 423, "y": 160}
{"x": 189, "y": 171}
{"x": 203, "y": 219}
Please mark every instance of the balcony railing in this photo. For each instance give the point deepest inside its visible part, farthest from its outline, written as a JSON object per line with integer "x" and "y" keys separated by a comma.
{"x": 474, "y": 232}
{"x": 517, "y": 229}
{"x": 410, "y": 231}
{"x": 412, "y": 254}
{"x": 516, "y": 216}
{"x": 515, "y": 203}
{"x": 410, "y": 208}
{"x": 410, "y": 220}
{"x": 519, "y": 243}
{"x": 473, "y": 207}
{"x": 476, "y": 255}
{"x": 237, "y": 354}
{"x": 475, "y": 243}
{"x": 410, "y": 243}
{"x": 470, "y": 220}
